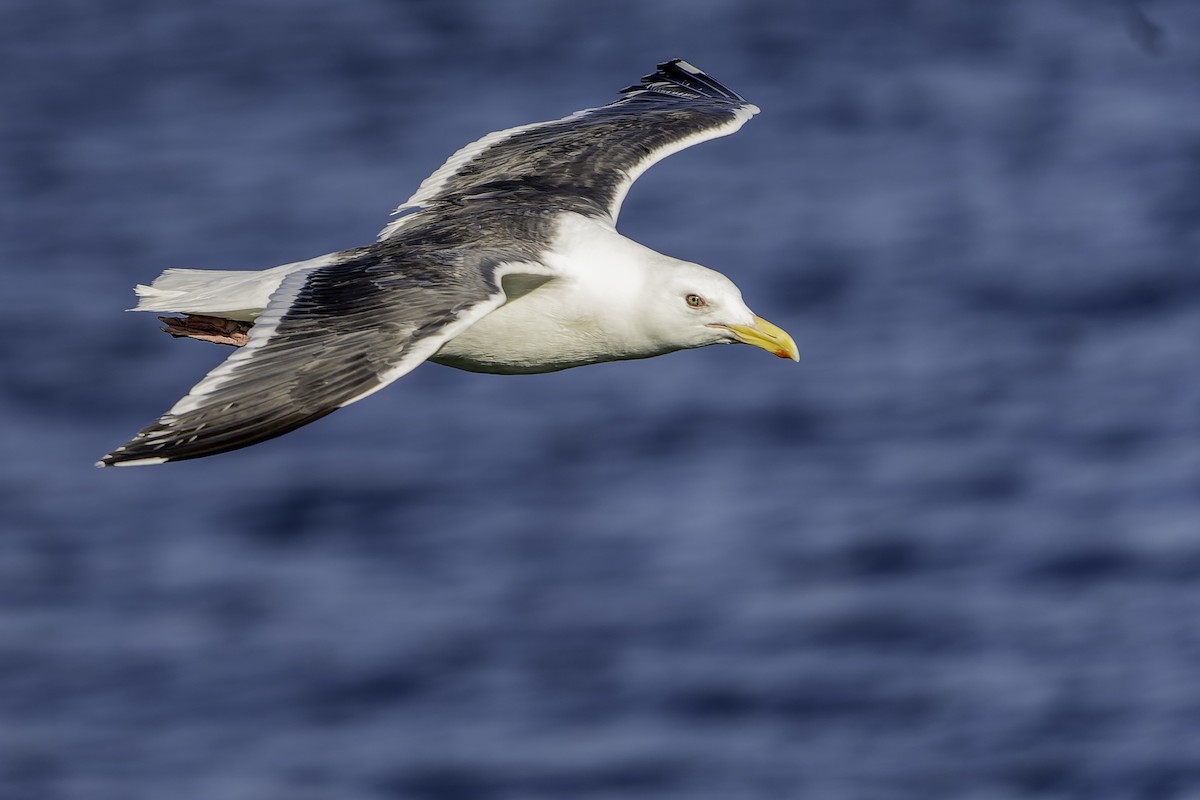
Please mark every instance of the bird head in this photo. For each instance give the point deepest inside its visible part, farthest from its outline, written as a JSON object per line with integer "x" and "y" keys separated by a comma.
{"x": 696, "y": 306}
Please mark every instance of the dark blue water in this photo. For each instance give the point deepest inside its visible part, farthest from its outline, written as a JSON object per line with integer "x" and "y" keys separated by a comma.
{"x": 955, "y": 553}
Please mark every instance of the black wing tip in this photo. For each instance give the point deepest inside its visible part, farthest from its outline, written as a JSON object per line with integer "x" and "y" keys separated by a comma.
{"x": 681, "y": 79}
{"x": 118, "y": 460}
{"x": 168, "y": 440}
{"x": 132, "y": 455}
{"x": 149, "y": 446}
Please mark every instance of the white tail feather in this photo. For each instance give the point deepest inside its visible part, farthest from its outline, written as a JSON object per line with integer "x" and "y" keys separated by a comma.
{"x": 229, "y": 294}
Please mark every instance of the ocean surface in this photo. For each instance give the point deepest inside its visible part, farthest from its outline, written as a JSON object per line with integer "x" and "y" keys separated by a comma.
{"x": 954, "y": 553}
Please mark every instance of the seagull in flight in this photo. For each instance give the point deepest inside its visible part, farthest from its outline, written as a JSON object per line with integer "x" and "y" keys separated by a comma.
{"x": 506, "y": 260}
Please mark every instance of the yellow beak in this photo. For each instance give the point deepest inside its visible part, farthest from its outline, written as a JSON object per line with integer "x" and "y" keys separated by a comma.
{"x": 769, "y": 337}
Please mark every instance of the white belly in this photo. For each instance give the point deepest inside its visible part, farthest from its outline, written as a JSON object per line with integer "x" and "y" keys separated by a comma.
{"x": 528, "y": 336}
{"x": 587, "y": 314}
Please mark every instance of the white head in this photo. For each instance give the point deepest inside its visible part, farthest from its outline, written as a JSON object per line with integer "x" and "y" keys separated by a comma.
{"x": 694, "y": 306}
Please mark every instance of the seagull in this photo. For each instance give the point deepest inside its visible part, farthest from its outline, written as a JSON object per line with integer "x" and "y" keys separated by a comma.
{"x": 506, "y": 260}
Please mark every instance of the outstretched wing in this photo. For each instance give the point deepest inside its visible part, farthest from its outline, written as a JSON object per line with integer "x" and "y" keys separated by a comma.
{"x": 329, "y": 336}
{"x": 587, "y": 161}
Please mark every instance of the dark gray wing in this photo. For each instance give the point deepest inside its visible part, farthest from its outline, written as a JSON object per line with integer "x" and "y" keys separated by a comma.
{"x": 329, "y": 336}
{"x": 587, "y": 161}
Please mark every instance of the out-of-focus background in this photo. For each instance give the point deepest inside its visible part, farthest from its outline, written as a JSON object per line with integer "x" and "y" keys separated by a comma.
{"x": 954, "y": 553}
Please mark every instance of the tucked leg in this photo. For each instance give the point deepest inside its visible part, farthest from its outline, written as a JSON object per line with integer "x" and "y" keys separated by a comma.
{"x": 208, "y": 329}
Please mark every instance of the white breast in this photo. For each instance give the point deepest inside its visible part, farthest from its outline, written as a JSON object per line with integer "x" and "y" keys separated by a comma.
{"x": 587, "y": 314}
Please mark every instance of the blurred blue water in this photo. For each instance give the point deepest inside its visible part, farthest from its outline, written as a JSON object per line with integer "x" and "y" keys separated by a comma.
{"x": 954, "y": 553}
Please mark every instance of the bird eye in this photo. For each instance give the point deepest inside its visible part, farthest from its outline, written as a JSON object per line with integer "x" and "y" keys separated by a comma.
{"x": 696, "y": 301}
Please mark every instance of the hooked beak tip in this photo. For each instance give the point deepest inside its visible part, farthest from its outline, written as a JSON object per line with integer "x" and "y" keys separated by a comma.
{"x": 768, "y": 336}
